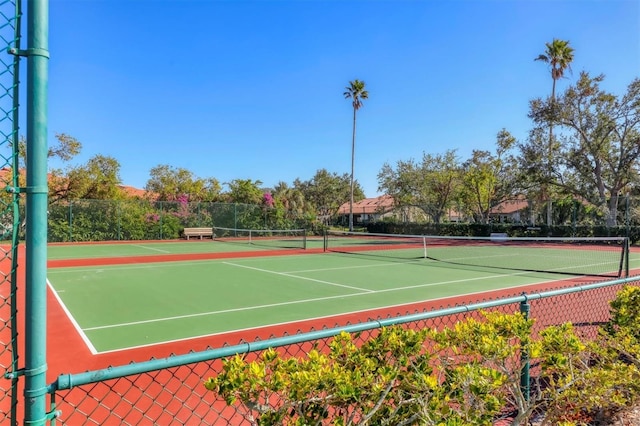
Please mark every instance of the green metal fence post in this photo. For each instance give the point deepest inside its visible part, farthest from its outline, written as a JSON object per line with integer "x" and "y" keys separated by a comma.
{"x": 574, "y": 217}
{"x": 70, "y": 220}
{"x": 161, "y": 236}
{"x": 525, "y": 308}
{"x": 15, "y": 228}
{"x": 119, "y": 220}
{"x": 35, "y": 388}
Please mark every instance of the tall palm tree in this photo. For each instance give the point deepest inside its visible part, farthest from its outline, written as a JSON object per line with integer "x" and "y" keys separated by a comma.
{"x": 559, "y": 56}
{"x": 356, "y": 92}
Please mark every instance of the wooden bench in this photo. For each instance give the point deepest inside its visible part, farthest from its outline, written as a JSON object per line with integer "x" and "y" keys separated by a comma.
{"x": 198, "y": 232}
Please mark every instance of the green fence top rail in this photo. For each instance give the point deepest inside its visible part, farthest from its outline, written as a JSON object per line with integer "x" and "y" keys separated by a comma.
{"x": 68, "y": 381}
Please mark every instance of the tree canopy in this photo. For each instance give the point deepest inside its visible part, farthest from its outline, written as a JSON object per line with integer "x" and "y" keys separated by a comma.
{"x": 431, "y": 184}
{"x": 599, "y": 148}
{"x": 327, "y": 191}
{"x": 593, "y": 157}
{"x": 167, "y": 183}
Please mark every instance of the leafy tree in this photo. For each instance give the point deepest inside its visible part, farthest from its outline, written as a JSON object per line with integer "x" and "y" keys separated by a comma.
{"x": 559, "y": 56}
{"x": 291, "y": 199}
{"x": 66, "y": 148}
{"x": 168, "y": 184}
{"x": 294, "y": 209}
{"x": 356, "y": 92}
{"x": 245, "y": 191}
{"x": 326, "y": 192}
{"x": 98, "y": 179}
{"x": 601, "y": 146}
{"x": 489, "y": 179}
{"x": 534, "y": 166}
{"x": 430, "y": 185}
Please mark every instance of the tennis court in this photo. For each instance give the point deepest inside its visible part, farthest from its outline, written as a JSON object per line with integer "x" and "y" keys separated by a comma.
{"x": 127, "y": 305}
{"x": 285, "y": 240}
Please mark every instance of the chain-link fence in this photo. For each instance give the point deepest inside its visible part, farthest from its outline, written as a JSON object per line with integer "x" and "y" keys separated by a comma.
{"x": 171, "y": 391}
{"x": 140, "y": 219}
{"x": 623, "y": 210}
{"x": 9, "y": 218}
{"x": 137, "y": 219}
{"x": 519, "y": 211}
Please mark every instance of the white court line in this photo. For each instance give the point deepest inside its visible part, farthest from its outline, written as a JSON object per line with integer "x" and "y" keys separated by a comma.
{"x": 153, "y": 265}
{"x": 295, "y": 302}
{"x": 286, "y": 274}
{"x": 224, "y": 311}
{"x": 363, "y": 292}
{"x": 386, "y": 264}
{"x": 151, "y": 248}
{"x": 223, "y": 332}
{"x": 84, "y": 337}
{"x": 209, "y": 261}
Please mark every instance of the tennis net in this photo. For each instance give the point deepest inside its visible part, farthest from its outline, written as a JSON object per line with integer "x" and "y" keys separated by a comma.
{"x": 268, "y": 238}
{"x": 597, "y": 256}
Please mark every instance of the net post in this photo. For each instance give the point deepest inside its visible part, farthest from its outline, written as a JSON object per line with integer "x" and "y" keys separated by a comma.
{"x": 424, "y": 245}
{"x": 325, "y": 240}
{"x": 625, "y": 253}
{"x": 304, "y": 239}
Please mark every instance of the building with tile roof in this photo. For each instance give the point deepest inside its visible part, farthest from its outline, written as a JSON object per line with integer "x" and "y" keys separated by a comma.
{"x": 512, "y": 211}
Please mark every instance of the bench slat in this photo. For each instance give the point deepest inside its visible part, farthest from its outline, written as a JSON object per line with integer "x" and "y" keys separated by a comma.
{"x": 198, "y": 232}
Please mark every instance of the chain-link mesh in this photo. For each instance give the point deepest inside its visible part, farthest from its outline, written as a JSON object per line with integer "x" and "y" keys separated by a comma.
{"x": 141, "y": 219}
{"x": 9, "y": 212}
{"x": 571, "y": 211}
{"x": 176, "y": 395}
{"x": 137, "y": 219}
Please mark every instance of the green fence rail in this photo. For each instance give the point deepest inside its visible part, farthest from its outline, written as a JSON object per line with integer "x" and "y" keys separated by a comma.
{"x": 171, "y": 391}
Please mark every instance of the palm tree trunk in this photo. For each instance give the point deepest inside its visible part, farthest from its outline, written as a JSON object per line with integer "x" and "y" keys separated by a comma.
{"x": 353, "y": 152}
{"x": 549, "y": 157}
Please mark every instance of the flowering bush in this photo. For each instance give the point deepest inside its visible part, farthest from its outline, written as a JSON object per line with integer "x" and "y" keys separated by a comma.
{"x": 152, "y": 218}
{"x": 267, "y": 199}
{"x": 183, "y": 207}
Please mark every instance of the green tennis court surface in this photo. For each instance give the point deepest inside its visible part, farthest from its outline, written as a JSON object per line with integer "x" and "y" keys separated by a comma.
{"x": 101, "y": 250}
{"x": 124, "y": 306}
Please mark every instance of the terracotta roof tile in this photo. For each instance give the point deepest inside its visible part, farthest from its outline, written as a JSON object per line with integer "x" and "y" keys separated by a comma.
{"x": 383, "y": 203}
{"x": 508, "y": 207}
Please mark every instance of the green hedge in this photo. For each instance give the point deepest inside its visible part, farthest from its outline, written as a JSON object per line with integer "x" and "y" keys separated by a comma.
{"x": 485, "y": 230}
{"x": 107, "y": 220}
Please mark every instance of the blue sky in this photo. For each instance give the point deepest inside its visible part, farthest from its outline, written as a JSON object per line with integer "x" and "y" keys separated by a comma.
{"x": 254, "y": 89}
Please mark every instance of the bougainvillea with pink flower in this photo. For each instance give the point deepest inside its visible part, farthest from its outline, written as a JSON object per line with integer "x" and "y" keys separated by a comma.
{"x": 153, "y": 217}
{"x": 183, "y": 206}
{"x": 267, "y": 199}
